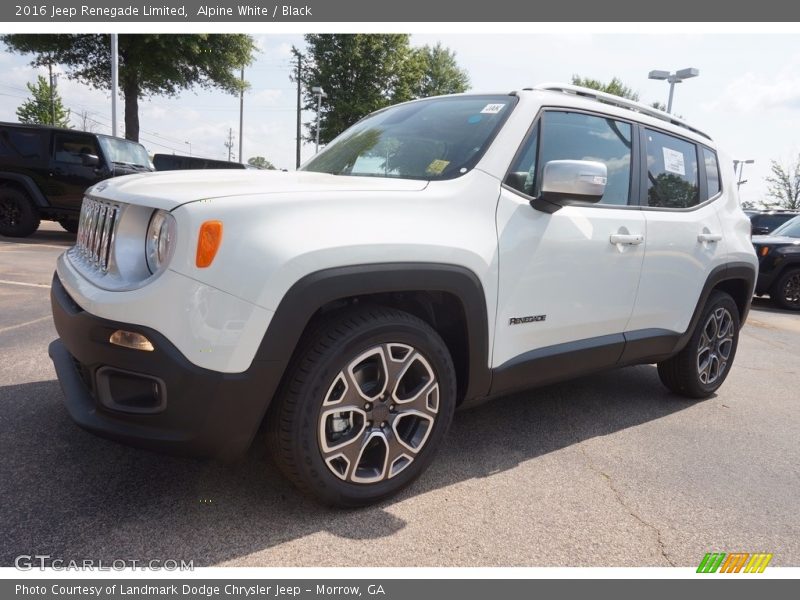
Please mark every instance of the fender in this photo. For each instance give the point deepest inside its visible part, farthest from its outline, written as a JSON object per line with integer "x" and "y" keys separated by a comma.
{"x": 28, "y": 185}
{"x": 307, "y": 295}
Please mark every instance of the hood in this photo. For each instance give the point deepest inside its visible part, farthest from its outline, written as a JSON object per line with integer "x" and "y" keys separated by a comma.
{"x": 169, "y": 189}
{"x": 775, "y": 240}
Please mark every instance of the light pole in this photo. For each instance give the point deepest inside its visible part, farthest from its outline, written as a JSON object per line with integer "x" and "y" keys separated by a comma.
{"x": 741, "y": 164}
{"x": 190, "y": 147}
{"x": 320, "y": 94}
{"x": 672, "y": 79}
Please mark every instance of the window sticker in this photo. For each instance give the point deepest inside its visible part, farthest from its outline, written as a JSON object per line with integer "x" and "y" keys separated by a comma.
{"x": 673, "y": 162}
{"x": 437, "y": 166}
{"x": 492, "y": 109}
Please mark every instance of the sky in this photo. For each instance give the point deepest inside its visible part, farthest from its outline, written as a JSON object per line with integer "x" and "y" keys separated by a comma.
{"x": 747, "y": 96}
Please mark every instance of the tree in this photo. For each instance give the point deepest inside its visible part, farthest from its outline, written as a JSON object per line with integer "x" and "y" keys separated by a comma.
{"x": 149, "y": 64}
{"x": 361, "y": 73}
{"x": 441, "y": 73}
{"x": 615, "y": 86}
{"x": 41, "y": 107}
{"x": 784, "y": 185}
{"x": 260, "y": 162}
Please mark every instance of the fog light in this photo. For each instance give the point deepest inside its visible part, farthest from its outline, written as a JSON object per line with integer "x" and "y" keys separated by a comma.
{"x": 129, "y": 339}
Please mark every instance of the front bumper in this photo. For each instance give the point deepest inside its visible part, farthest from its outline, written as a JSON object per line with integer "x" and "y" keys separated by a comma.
{"x": 158, "y": 400}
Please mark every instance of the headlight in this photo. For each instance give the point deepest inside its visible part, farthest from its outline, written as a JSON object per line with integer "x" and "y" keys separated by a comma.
{"x": 160, "y": 240}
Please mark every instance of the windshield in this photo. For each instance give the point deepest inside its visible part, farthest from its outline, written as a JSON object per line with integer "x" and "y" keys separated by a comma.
{"x": 789, "y": 229}
{"x": 438, "y": 138}
{"x": 124, "y": 151}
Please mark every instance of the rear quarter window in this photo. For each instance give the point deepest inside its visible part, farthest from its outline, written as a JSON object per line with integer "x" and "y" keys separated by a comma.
{"x": 20, "y": 144}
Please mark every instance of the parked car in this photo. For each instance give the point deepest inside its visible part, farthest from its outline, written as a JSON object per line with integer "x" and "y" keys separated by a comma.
{"x": 779, "y": 264}
{"x": 436, "y": 254}
{"x": 175, "y": 162}
{"x": 767, "y": 221}
{"x": 44, "y": 172}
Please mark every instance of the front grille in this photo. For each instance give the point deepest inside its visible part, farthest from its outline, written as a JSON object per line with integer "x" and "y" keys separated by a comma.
{"x": 96, "y": 230}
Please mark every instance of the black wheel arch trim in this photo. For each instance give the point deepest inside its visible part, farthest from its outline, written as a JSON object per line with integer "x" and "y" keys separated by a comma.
{"x": 34, "y": 193}
{"x": 734, "y": 271}
{"x": 306, "y": 296}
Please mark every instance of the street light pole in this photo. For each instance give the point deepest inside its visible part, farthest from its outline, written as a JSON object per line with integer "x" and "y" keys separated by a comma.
{"x": 741, "y": 164}
{"x": 114, "y": 81}
{"x": 190, "y": 147}
{"x": 672, "y": 79}
{"x": 320, "y": 94}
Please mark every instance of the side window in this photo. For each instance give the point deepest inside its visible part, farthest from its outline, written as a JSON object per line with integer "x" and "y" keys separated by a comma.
{"x": 578, "y": 136}
{"x": 522, "y": 176}
{"x": 712, "y": 172}
{"x": 672, "y": 178}
{"x": 20, "y": 144}
{"x": 68, "y": 148}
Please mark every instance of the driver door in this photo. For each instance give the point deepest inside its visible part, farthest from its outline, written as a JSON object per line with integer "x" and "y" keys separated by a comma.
{"x": 69, "y": 176}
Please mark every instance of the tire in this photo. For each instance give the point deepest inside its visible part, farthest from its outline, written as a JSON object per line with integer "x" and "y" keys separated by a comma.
{"x": 786, "y": 291}
{"x": 18, "y": 217}
{"x": 69, "y": 224}
{"x": 383, "y": 366}
{"x": 701, "y": 367}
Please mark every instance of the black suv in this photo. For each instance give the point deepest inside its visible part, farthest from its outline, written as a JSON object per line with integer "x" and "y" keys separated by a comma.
{"x": 45, "y": 170}
{"x": 779, "y": 264}
{"x": 763, "y": 222}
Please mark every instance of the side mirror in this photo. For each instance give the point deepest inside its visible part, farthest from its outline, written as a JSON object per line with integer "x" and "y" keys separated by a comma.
{"x": 90, "y": 160}
{"x": 566, "y": 182}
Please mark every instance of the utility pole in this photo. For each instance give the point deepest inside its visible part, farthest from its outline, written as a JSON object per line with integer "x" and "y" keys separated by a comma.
{"x": 241, "y": 118}
{"x": 299, "y": 57}
{"x": 114, "y": 81}
{"x": 52, "y": 96}
{"x": 229, "y": 143}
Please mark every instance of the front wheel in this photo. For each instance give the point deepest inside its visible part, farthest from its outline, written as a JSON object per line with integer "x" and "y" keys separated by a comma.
{"x": 701, "y": 367}
{"x": 366, "y": 403}
{"x": 786, "y": 292}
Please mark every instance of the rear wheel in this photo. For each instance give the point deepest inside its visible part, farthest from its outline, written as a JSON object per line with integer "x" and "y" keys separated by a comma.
{"x": 786, "y": 292}
{"x": 364, "y": 408}
{"x": 701, "y": 367}
{"x": 18, "y": 217}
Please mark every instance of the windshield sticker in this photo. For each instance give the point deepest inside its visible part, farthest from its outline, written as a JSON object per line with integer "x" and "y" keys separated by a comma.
{"x": 673, "y": 162}
{"x": 492, "y": 109}
{"x": 437, "y": 166}
{"x": 474, "y": 119}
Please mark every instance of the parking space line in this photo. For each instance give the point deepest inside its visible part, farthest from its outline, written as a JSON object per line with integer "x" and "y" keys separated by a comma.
{"x": 18, "y": 325}
{"x": 36, "y": 285}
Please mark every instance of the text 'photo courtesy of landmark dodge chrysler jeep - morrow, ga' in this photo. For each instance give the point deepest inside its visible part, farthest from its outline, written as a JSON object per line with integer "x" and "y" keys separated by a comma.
{"x": 435, "y": 254}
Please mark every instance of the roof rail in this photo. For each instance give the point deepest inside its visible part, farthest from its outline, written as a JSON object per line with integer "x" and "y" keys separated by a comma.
{"x": 618, "y": 101}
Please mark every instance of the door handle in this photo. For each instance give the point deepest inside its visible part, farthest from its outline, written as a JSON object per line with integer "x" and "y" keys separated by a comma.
{"x": 709, "y": 237}
{"x": 626, "y": 239}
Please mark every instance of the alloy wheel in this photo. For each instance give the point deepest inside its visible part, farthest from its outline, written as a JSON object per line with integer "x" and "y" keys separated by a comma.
{"x": 715, "y": 346}
{"x": 377, "y": 413}
{"x": 790, "y": 293}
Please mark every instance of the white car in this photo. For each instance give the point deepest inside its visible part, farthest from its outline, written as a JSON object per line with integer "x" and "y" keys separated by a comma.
{"x": 437, "y": 253}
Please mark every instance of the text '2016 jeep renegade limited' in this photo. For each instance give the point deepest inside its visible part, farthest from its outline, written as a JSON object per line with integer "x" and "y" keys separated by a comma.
{"x": 437, "y": 253}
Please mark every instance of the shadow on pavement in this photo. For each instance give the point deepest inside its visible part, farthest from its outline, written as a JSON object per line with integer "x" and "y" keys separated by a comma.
{"x": 72, "y": 495}
{"x": 764, "y": 304}
{"x": 50, "y": 234}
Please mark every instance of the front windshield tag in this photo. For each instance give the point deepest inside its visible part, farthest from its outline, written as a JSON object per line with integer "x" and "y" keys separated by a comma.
{"x": 492, "y": 109}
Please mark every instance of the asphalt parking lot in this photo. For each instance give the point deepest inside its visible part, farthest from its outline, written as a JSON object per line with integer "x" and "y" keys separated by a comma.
{"x": 609, "y": 470}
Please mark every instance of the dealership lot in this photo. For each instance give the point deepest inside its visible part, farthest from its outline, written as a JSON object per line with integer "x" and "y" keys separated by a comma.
{"x": 608, "y": 470}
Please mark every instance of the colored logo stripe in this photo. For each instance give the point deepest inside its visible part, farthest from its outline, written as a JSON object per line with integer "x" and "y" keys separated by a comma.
{"x": 733, "y": 563}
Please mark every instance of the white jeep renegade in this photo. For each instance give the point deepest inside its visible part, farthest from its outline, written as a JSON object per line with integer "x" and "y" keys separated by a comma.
{"x": 437, "y": 253}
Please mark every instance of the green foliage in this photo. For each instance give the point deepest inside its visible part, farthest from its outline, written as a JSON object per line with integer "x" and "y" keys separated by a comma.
{"x": 149, "y": 64}
{"x": 615, "y": 86}
{"x": 362, "y": 73}
{"x": 783, "y": 185}
{"x": 39, "y": 109}
{"x": 260, "y": 162}
{"x": 441, "y": 73}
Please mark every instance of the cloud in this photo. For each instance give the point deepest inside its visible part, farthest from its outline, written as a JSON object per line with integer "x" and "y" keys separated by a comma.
{"x": 751, "y": 93}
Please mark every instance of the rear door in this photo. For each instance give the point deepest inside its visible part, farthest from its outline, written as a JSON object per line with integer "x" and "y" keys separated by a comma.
{"x": 684, "y": 233}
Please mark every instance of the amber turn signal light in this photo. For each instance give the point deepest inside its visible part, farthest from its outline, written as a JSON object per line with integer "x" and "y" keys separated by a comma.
{"x": 764, "y": 250}
{"x": 208, "y": 241}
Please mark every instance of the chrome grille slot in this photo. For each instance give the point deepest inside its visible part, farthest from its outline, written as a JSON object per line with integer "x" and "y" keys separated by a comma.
{"x": 96, "y": 228}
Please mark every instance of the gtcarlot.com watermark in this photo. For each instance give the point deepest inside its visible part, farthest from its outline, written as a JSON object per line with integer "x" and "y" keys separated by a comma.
{"x": 28, "y": 562}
